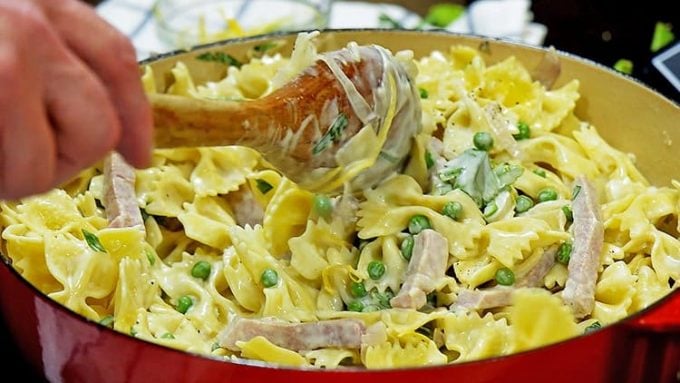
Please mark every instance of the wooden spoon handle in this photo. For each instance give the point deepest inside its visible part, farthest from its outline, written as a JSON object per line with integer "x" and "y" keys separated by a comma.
{"x": 184, "y": 121}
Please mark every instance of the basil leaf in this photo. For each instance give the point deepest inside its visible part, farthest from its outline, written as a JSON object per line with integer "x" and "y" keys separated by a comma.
{"x": 333, "y": 134}
{"x": 263, "y": 186}
{"x": 93, "y": 241}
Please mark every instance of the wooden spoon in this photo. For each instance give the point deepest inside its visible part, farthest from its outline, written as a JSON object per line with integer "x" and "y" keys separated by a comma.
{"x": 300, "y": 127}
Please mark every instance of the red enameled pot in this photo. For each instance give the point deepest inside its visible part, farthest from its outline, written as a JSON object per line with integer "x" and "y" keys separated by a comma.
{"x": 643, "y": 347}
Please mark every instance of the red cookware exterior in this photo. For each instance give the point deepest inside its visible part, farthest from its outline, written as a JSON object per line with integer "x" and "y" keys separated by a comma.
{"x": 69, "y": 348}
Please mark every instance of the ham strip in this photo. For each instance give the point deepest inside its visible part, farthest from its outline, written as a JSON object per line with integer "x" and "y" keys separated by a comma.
{"x": 341, "y": 333}
{"x": 120, "y": 200}
{"x": 426, "y": 268}
{"x": 502, "y": 296}
{"x": 247, "y": 211}
{"x": 579, "y": 290}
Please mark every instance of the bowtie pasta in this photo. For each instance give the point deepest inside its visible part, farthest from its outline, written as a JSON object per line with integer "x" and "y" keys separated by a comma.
{"x": 513, "y": 225}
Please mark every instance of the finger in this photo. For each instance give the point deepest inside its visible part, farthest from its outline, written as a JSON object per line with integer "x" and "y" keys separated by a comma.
{"x": 27, "y": 145}
{"x": 112, "y": 58}
{"x": 82, "y": 116}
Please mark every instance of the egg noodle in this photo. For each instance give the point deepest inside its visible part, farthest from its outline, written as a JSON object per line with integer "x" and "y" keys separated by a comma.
{"x": 193, "y": 269}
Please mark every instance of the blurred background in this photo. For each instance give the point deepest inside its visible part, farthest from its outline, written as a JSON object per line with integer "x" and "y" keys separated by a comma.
{"x": 604, "y": 31}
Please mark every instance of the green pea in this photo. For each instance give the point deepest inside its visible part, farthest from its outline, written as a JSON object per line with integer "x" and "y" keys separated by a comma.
{"x": 563, "y": 254}
{"x": 201, "y": 270}
{"x": 357, "y": 306}
{"x": 540, "y": 172}
{"x": 483, "y": 141}
{"x": 523, "y": 204}
{"x": 568, "y": 213}
{"x": 322, "y": 206}
{"x": 547, "y": 194}
{"x": 376, "y": 270}
{"x": 107, "y": 321}
{"x": 358, "y": 290}
{"x": 407, "y": 247}
{"x": 269, "y": 278}
{"x": 167, "y": 335}
{"x": 453, "y": 210}
{"x": 423, "y": 93}
{"x": 505, "y": 276}
{"x": 524, "y": 131}
{"x": 418, "y": 223}
{"x": 184, "y": 303}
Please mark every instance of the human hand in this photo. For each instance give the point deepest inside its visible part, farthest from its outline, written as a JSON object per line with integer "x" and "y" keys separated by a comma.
{"x": 70, "y": 92}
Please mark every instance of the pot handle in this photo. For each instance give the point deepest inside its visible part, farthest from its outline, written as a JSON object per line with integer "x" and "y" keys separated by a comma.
{"x": 655, "y": 344}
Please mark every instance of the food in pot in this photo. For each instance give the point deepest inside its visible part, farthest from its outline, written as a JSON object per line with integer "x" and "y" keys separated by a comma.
{"x": 512, "y": 225}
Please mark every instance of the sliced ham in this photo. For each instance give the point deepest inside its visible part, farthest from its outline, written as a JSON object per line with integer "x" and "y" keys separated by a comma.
{"x": 247, "y": 211}
{"x": 502, "y": 296}
{"x": 426, "y": 268}
{"x": 548, "y": 69}
{"x": 340, "y": 333}
{"x": 588, "y": 232}
{"x": 120, "y": 200}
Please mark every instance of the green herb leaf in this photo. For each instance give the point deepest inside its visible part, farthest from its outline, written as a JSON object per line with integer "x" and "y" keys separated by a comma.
{"x": 624, "y": 66}
{"x": 472, "y": 173}
{"x": 333, "y": 134}
{"x": 107, "y": 321}
{"x": 261, "y": 48}
{"x": 429, "y": 161}
{"x": 150, "y": 256}
{"x": 220, "y": 57}
{"x": 663, "y": 35}
{"x": 93, "y": 241}
{"x": 441, "y": 15}
{"x": 577, "y": 189}
{"x": 423, "y": 93}
{"x": 593, "y": 327}
{"x": 263, "y": 186}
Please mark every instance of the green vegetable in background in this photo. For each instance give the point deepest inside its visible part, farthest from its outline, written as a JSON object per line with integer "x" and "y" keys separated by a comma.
{"x": 385, "y": 21}
{"x": 220, "y": 57}
{"x": 663, "y": 35}
{"x": 624, "y": 66}
{"x": 442, "y": 15}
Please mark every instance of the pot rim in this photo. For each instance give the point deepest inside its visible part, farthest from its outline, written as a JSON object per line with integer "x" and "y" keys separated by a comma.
{"x": 6, "y": 262}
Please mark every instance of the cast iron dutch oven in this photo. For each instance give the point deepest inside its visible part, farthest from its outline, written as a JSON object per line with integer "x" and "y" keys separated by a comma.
{"x": 643, "y": 347}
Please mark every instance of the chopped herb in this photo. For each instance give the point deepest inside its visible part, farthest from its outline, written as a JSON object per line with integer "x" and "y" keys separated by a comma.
{"x": 490, "y": 209}
{"x": 418, "y": 223}
{"x": 184, "y": 303}
{"x": 523, "y": 204}
{"x": 547, "y": 194}
{"x": 133, "y": 331}
{"x": 269, "y": 278}
{"x": 505, "y": 276}
{"x": 524, "y": 131}
{"x": 577, "y": 189}
{"x": 220, "y": 57}
{"x": 355, "y": 305}
{"x": 215, "y": 346}
{"x": 261, "y": 48}
{"x": 472, "y": 173}
{"x": 107, "y": 321}
{"x": 201, "y": 270}
{"x": 150, "y": 256}
{"x": 624, "y": 66}
{"x": 453, "y": 210}
{"x": 263, "y": 186}
{"x": 593, "y": 327}
{"x": 442, "y": 15}
{"x": 333, "y": 134}
{"x": 93, "y": 241}
{"x": 376, "y": 270}
{"x": 540, "y": 172}
{"x": 423, "y": 93}
{"x": 407, "y": 247}
{"x": 563, "y": 254}
{"x": 663, "y": 35}
{"x": 429, "y": 161}
{"x": 167, "y": 335}
{"x": 568, "y": 213}
{"x": 385, "y": 20}
{"x": 382, "y": 300}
